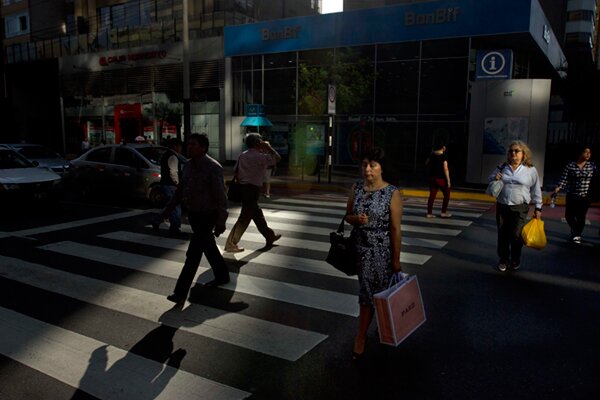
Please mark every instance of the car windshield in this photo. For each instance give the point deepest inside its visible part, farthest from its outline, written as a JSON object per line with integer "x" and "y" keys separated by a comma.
{"x": 10, "y": 160}
{"x": 37, "y": 152}
{"x": 153, "y": 154}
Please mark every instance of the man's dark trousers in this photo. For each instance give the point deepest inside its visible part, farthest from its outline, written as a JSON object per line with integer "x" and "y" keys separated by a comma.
{"x": 203, "y": 241}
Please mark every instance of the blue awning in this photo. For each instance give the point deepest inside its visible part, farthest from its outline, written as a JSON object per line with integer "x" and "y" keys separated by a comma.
{"x": 256, "y": 121}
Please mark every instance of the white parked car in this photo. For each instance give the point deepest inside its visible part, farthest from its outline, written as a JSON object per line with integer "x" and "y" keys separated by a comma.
{"x": 43, "y": 156}
{"x": 22, "y": 180}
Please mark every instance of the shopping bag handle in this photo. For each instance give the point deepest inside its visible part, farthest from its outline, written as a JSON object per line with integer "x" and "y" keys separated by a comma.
{"x": 398, "y": 277}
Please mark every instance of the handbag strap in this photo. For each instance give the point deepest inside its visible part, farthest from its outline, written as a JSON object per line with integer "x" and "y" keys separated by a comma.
{"x": 341, "y": 227}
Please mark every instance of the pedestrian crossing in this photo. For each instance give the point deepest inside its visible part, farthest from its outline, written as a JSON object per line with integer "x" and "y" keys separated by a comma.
{"x": 280, "y": 305}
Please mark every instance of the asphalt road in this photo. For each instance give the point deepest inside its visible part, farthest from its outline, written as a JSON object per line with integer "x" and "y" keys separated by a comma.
{"x": 528, "y": 334}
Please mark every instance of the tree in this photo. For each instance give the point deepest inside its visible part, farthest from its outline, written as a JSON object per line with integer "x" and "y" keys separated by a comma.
{"x": 352, "y": 75}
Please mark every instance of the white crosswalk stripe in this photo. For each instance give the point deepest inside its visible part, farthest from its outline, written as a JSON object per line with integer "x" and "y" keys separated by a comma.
{"x": 118, "y": 374}
{"x": 283, "y": 205}
{"x": 302, "y": 295}
{"x": 103, "y": 369}
{"x": 205, "y": 321}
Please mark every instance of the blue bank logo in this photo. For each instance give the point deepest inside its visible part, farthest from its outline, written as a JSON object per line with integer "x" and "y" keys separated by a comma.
{"x": 494, "y": 64}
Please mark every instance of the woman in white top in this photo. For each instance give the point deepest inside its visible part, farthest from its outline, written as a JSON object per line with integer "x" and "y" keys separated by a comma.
{"x": 521, "y": 186}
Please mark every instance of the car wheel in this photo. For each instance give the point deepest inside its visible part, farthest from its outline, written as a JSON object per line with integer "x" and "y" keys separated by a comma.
{"x": 156, "y": 196}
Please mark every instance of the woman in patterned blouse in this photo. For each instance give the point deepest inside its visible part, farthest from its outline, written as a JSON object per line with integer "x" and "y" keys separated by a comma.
{"x": 374, "y": 209}
{"x": 576, "y": 178}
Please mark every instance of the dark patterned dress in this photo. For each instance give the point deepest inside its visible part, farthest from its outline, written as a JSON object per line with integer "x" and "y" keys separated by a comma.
{"x": 373, "y": 241}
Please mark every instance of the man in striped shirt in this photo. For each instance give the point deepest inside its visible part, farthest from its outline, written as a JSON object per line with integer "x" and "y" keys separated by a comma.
{"x": 576, "y": 178}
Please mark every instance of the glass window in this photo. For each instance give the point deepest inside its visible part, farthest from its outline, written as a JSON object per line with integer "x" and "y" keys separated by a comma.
{"x": 147, "y": 12}
{"x": 446, "y": 48}
{"x": 118, "y": 16}
{"x": 257, "y": 87}
{"x": 17, "y": 24}
{"x": 247, "y": 62}
{"x": 356, "y": 53}
{"x": 104, "y": 17}
{"x": 400, "y": 136}
{"x": 312, "y": 93}
{"x": 354, "y": 87}
{"x": 280, "y": 60}
{"x": 580, "y": 15}
{"x": 397, "y": 87}
{"x": 152, "y": 154}
{"x": 101, "y": 155}
{"x": 10, "y": 159}
{"x": 442, "y": 90}
{"x": 132, "y": 13}
{"x": 37, "y": 152}
{"x": 280, "y": 93}
{"x": 126, "y": 157}
{"x": 236, "y": 64}
{"x": 315, "y": 57}
{"x": 398, "y": 51}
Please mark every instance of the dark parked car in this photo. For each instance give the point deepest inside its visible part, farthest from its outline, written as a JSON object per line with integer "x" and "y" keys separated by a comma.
{"x": 115, "y": 169}
{"x": 43, "y": 156}
{"x": 22, "y": 180}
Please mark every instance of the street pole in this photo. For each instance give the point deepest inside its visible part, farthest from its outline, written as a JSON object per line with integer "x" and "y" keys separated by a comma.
{"x": 331, "y": 103}
{"x": 330, "y": 149}
{"x": 62, "y": 112}
{"x": 186, "y": 72}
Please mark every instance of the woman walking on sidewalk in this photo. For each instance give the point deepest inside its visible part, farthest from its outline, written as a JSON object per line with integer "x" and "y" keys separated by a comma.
{"x": 576, "y": 179}
{"x": 439, "y": 179}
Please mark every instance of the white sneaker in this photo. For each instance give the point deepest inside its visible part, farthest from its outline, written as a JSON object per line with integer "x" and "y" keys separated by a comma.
{"x": 576, "y": 239}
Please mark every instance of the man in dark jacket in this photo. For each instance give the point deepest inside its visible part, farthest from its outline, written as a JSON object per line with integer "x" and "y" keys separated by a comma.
{"x": 202, "y": 190}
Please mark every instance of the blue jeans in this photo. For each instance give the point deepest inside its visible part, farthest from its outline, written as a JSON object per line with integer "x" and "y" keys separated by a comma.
{"x": 175, "y": 216}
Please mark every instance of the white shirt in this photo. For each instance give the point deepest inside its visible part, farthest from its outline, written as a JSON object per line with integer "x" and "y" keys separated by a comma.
{"x": 520, "y": 186}
{"x": 173, "y": 163}
{"x": 251, "y": 166}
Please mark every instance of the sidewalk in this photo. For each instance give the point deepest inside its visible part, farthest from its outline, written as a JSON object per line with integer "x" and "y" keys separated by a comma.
{"x": 342, "y": 181}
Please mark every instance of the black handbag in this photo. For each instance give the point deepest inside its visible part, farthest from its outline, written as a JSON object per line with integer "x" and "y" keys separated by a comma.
{"x": 234, "y": 187}
{"x": 234, "y": 191}
{"x": 342, "y": 253}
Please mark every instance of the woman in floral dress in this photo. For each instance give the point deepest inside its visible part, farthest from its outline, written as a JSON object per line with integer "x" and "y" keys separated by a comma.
{"x": 374, "y": 209}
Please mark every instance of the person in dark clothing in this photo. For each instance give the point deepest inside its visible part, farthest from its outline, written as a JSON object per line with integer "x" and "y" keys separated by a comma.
{"x": 170, "y": 171}
{"x": 576, "y": 179}
{"x": 438, "y": 175}
{"x": 202, "y": 190}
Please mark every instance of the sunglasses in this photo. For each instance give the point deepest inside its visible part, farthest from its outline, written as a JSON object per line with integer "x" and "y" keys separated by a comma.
{"x": 515, "y": 151}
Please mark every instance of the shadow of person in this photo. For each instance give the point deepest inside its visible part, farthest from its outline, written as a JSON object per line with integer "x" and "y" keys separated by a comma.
{"x": 143, "y": 373}
{"x": 218, "y": 297}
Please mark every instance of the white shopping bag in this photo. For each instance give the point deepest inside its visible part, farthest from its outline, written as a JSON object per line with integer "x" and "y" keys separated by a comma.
{"x": 399, "y": 309}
